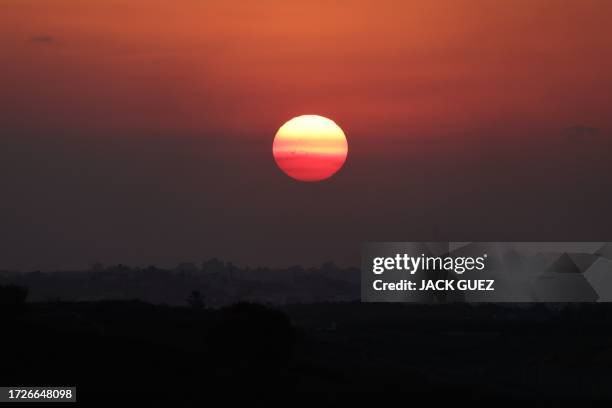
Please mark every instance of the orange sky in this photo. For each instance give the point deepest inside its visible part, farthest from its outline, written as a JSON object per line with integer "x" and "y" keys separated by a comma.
{"x": 418, "y": 68}
{"x": 141, "y": 131}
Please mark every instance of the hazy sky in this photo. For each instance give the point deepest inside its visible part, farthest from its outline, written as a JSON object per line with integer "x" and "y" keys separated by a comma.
{"x": 141, "y": 132}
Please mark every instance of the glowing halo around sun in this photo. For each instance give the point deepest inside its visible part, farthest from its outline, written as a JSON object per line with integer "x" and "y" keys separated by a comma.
{"x": 310, "y": 148}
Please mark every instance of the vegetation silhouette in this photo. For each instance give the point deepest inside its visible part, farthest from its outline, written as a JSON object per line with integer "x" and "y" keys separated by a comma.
{"x": 196, "y": 300}
{"x": 12, "y": 299}
{"x": 143, "y": 353}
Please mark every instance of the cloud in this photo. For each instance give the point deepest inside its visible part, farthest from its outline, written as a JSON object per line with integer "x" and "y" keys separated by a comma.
{"x": 43, "y": 39}
{"x": 581, "y": 132}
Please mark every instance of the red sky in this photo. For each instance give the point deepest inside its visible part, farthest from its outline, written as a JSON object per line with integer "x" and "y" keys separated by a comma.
{"x": 373, "y": 66}
{"x": 481, "y": 86}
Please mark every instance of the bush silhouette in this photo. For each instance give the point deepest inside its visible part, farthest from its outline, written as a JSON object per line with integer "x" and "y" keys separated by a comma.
{"x": 196, "y": 300}
{"x": 252, "y": 333}
{"x": 12, "y": 298}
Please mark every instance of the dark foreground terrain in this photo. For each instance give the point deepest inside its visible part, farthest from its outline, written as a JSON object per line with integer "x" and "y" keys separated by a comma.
{"x": 162, "y": 354}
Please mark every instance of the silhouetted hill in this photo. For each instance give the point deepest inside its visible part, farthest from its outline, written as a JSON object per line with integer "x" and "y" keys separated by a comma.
{"x": 155, "y": 353}
{"x": 180, "y": 355}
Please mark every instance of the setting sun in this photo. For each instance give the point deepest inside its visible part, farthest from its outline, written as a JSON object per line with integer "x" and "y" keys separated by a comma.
{"x": 310, "y": 148}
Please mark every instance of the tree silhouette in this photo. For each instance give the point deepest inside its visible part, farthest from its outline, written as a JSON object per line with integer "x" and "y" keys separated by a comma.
{"x": 12, "y": 298}
{"x": 196, "y": 300}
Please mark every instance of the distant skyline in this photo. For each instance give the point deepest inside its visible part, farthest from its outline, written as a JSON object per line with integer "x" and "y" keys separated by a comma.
{"x": 141, "y": 132}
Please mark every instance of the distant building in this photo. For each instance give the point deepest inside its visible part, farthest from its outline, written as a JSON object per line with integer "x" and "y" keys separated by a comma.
{"x": 97, "y": 267}
{"x": 186, "y": 267}
{"x": 213, "y": 266}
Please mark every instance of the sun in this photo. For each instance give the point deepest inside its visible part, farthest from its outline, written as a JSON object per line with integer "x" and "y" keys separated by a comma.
{"x": 310, "y": 148}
